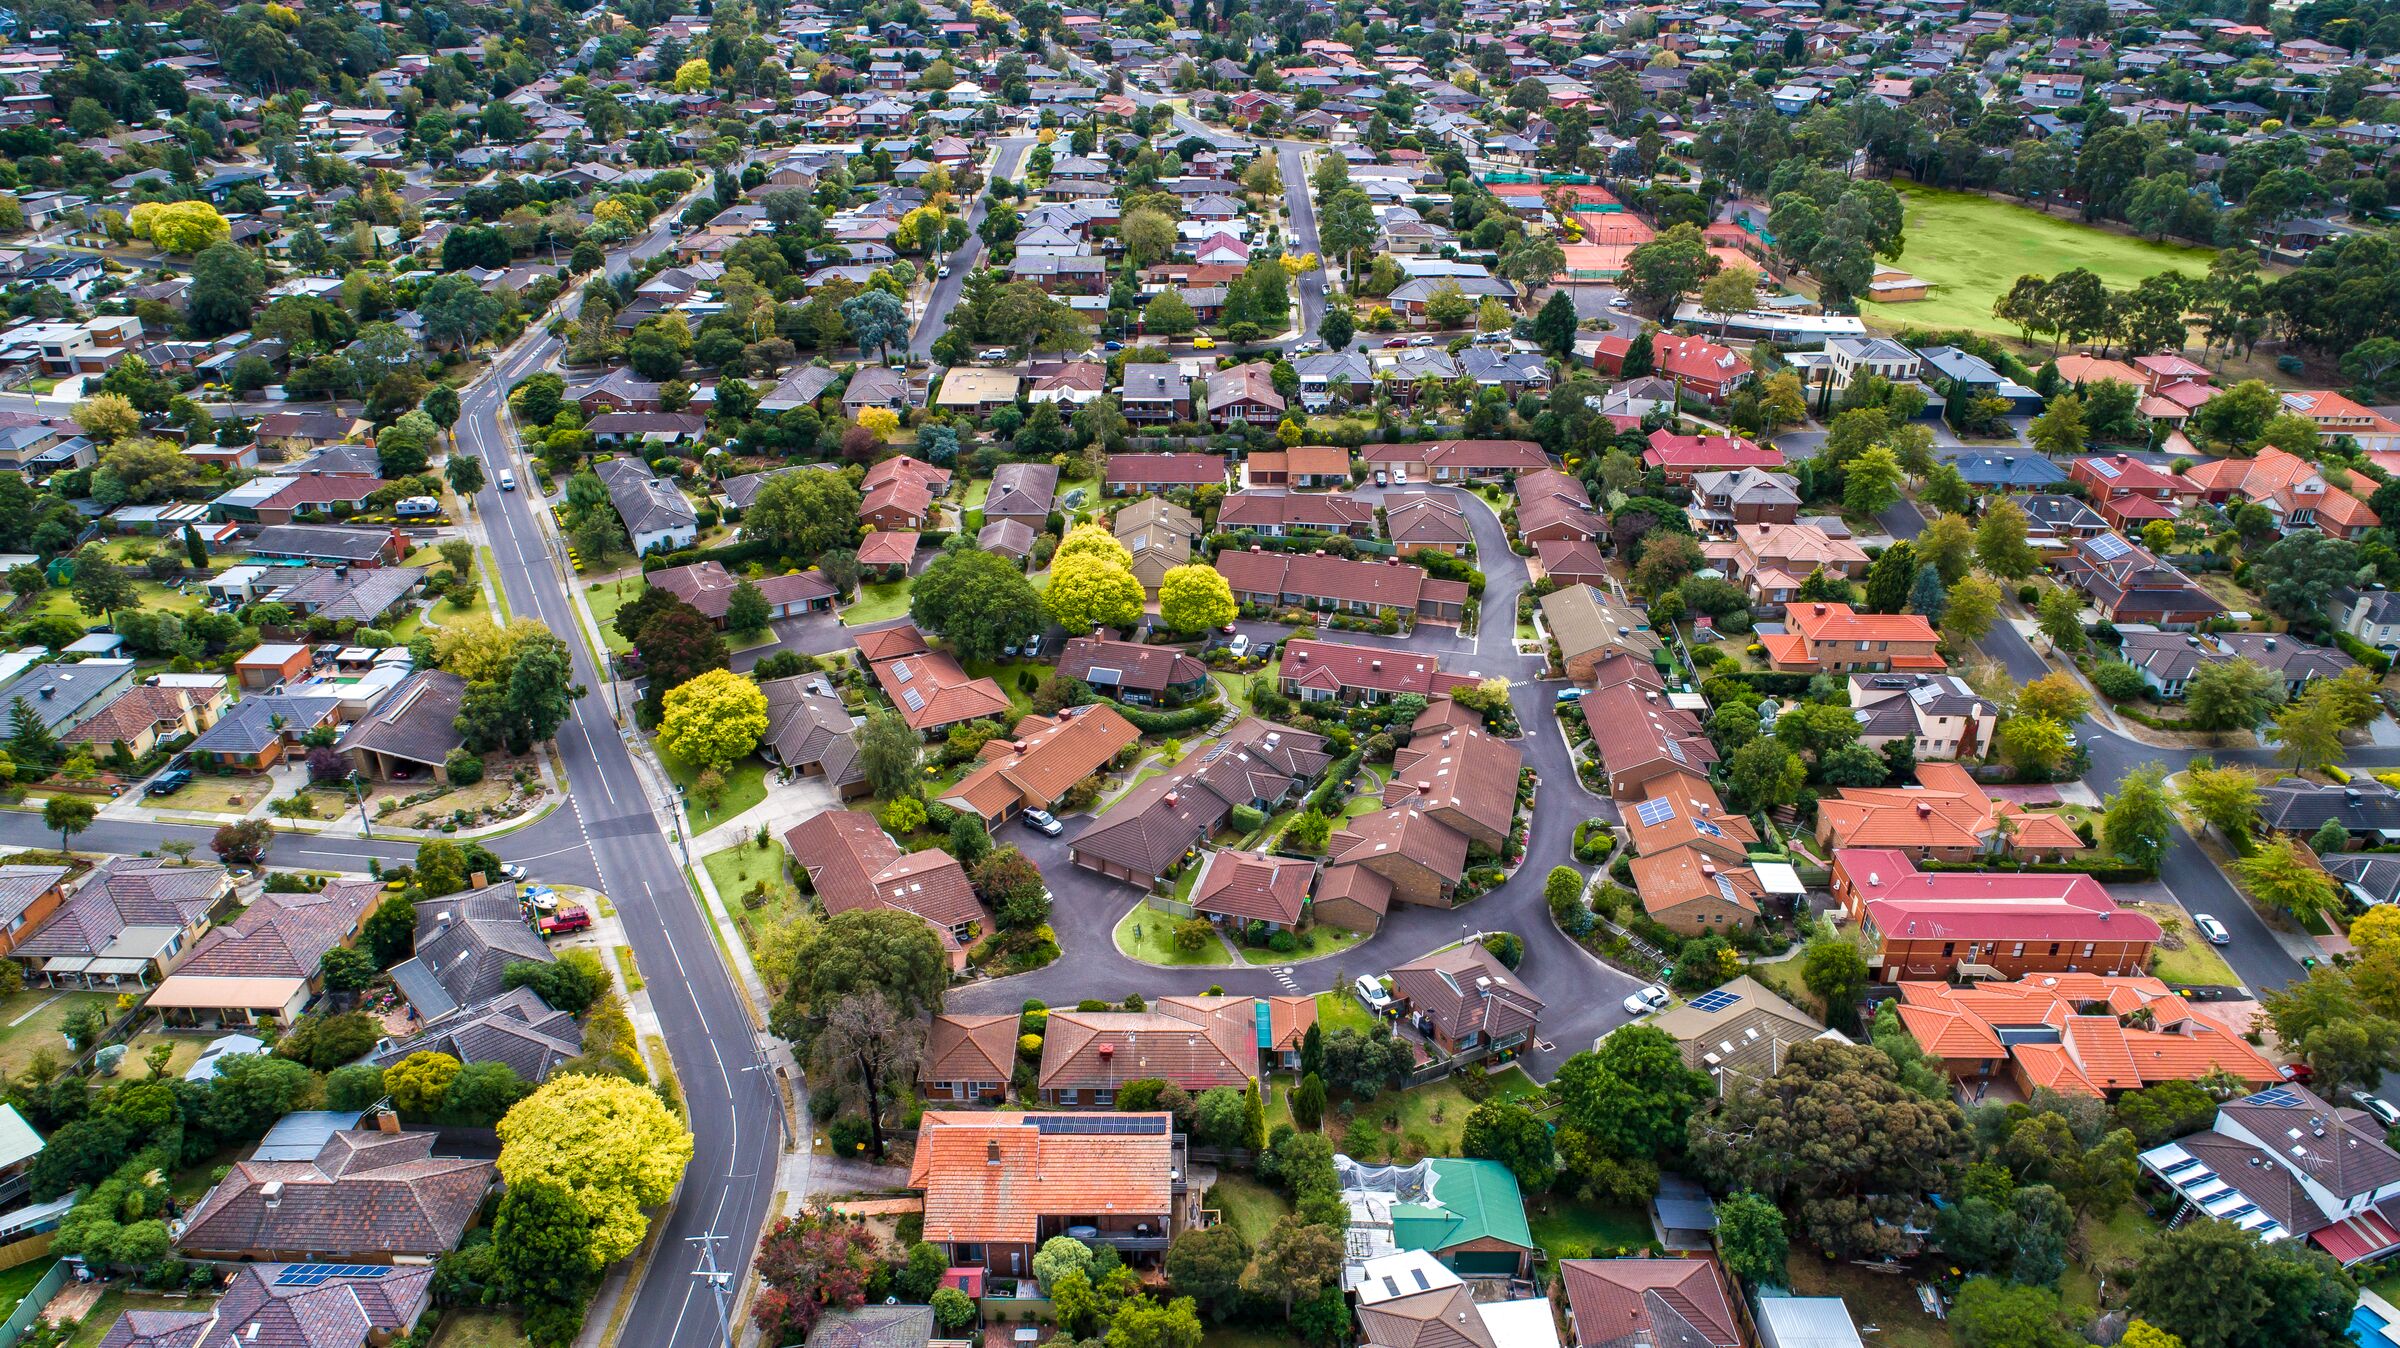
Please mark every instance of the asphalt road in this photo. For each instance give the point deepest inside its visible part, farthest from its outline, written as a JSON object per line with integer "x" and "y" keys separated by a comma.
{"x": 946, "y": 289}
{"x": 1303, "y": 233}
{"x": 735, "y": 1115}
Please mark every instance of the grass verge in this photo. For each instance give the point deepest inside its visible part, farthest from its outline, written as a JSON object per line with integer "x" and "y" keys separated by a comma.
{"x": 1148, "y": 935}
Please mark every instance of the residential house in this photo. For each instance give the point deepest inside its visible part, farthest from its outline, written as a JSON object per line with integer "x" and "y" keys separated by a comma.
{"x": 1460, "y": 461}
{"x": 1592, "y": 629}
{"x": 996, "y": 1184}
{"x": 2168, "y": 660}
{"x": 272, "y": 663}
{"x": 257, "y": 733}
{"x": 1641, "y": 1302}
{"x": 1278, "y": 514}
{"x": 2128, "y": 585}
{"x": 1989, "y": 474}
{"x": 1132, "y": 672}
{"x": 1197, "y": 1043}
{"x": 810, "y": 732}
{"x": 655, "y": 514}
{"x": 1694, "y": 364}
{"x": 1040, "y": 761}
{"x": 2059, "y": 521}
{"x": 465, "y": 943}
{"x": 516, "y": 1028}
{"x": 2336, "y": 415}
{"x": 1328, "y": 671}
{"x": 1683, "y": 458}
{"x": 1132, "y": 474}
{"x": 369, "y": 1197}
{"x": 1640, "y": 735}
{"x": 1975, "y": 924}
{"x": 1947, "y": 816}
{"x": 927, "y": 686}
{"x": 1465, "y": 1002}
{"x": 143, "y": 717}
{"x": 1738, "y": 1032}
{"x": 1571, "y": 564}
{"x": 1153, "y": 394}
{"x": 1302, "y": 466}
{"x": 301, "y": 1305}
{"x": 366, "y": 596}
{"x": 1772, "y": 561}
{"x": 2372, "y": 615}
{"x": 1729, "y": 499}
{"x": 298, "y": 430}
{"x": 1236, "y": 889}
{"x": 1832, "y": 638}
{"x": 265, "y": 966}
{"x": 1457, "y": 773}
{"x": 2368, "y": 810}
{"x": 1159, "y": 535}
{"x": 1283, "y": 579}
{"x": 2292, "y": 490}
{"x": 1554, "y": 508}
{"x": 29, "y": 897}
{"x": 708, "y": 587}
{"x": 1849, "y": 357}
{"x": 330, "y": 545}
{"x": 1026, "y": 492}
{"x": 610, "y": 430}
{"x": 2075, "y": 1034}
{"x": 281, "y": 499}
{"x": 968, "y": 1059}
{"x": 1239, "y": 395}
{"x": 899, "y": 492}
{"x": 1149, "y": 832}
{"x": 852, "y": 864}
{"x": 1938, "y": 714}
{"x": 1422, "y": 521}
{"x": 2287, "y": 1164}
{"x": 413, "y": 731}
{"x": 65, "y": 696}
{"x": 1689, "y": 890}
{"x": 1463, "y": 1217}
{"x": 2130, "y": 493}
{"x": 979, "y": 392}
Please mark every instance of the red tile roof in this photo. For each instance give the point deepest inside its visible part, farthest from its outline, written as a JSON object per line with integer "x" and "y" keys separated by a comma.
{"x": 990, "y": 1176}
{"x": 1253, "y": 886}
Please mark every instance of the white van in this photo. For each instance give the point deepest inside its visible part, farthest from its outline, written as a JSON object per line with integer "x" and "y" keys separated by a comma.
{"x": 508, "y": 479}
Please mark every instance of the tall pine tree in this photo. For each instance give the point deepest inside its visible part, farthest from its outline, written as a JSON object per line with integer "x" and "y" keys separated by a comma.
{"x": 1890, "y": 577}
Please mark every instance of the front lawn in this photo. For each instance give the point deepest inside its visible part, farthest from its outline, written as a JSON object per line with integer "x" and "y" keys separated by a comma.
{"x": 877, "y": 603}
{"x": 1148, "y": 935}
{"x": 30, "y": 1021}
{"x": 2193, "y": 962}
{"x": 1247, "y": 1205}
{"x": 1236, "y": 684}
{"x": 187, "y": 1051}
{"x": 480, "y": 1327}
{"x": 735, "y": 869}
{"x": 606, "y": 598}
{"x": 1341, "y": 1009}
{"x": 1429, "y": 1120}
{"x": 1010, "y": 675}
{"x": 214, "y": 795}
{"x": 745, "y": 786}
{"x": 1326, "y": 941}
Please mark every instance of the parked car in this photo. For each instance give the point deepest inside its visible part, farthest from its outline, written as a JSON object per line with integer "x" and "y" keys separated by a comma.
{"x": 168, "y": 783}
{"x": 1204, "y": 343}
{"x": 1617, "y": 303}
{"x": 1239, "y": 646}
{"x": 994, "y": 354}
{"x": 1649, "y": 999}
{"x": 2385, "y": 1112}
{"x": 943, "y": 270}
{"x": 1033, "y": 645}
{"x": 1569, "y": 695}
{"x": 1396, "y": 343}
{"x": 2212, "y": 929}
{"x": 1043, "y": 820}
{"x": 1112, "y": 346}
{"x": 573, "y": 917}
{"x": 514, "y": 872}
{"x": 1421, "y": 339}
{"x": 1382, "y": 478}
{"x": 1370, "y": 991}
{"x": 1305, "y": 348}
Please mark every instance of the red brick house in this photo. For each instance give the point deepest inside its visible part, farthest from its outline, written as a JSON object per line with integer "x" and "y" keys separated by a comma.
{"x": 1683, "y": 457}
{"x": 2000, "y": 924}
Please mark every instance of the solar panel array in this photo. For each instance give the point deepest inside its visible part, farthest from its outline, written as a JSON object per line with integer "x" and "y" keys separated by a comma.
{"x": 1655, "y": 812}
{"x": 1715, "y": 999}
{"x": 2109, "y": 547}
{"x": 1708, "y": 828}
{"x": 312, "y": 1275}
{"x": 2279, "y": 1096}
{"x": 1102, "y": 1125}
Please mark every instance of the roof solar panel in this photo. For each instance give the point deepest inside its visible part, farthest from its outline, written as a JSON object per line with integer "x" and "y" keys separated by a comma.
{"x": 914, "y": 699}
{"x": 1102, "y": 1125}
{"x": 1708, "y": 828}
{"x": 2279, "y": 1096}
{"x": 1715, "y": 999}
{"x": 2109, "y": 547}
{"x": 1655, "y": 812}
{"x": 2103, "y": 467}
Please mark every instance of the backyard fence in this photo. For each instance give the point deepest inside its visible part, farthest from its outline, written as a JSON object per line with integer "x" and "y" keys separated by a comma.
{"x": 30, "y": 1308}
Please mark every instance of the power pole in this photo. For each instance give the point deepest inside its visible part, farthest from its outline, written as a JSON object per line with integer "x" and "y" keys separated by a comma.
{"x": 717, "y": 1280}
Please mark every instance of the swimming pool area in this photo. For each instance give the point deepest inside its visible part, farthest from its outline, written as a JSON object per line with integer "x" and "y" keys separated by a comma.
{"x": 2369, "y": 1328}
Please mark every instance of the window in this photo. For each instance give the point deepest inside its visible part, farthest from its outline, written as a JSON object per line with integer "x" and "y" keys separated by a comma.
{"x": 1949, "y": 948}
{"x": 1067, "y": 1097}
{"x": 2054, "y": 947}
{"x": 2087, "y": 950}
{"x": 1104, "y": 1097}
{"x": 2017, "y": 950}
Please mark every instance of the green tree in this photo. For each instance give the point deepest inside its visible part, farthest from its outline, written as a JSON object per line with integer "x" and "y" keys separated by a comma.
{"x": 2060, "y": 614}
{"x": 2229, "y": 694}
{"x": 2227, "y": 797}
{"x": 2000, "y": 542}
{"x": 1891, "y": 577}
{"x": 1974, "y": 605}
{"x": 2140, "y": 818}
{"x": 1836, "y": 971}
{"x": 1751, "y": 1239}
{"x": 2213, "y": 1285}
{"x": 2059, "y": 429}
{"x": 100, "y": 585}
{"x": 2308, "y": 732}
{"x": 2281, "y": 873}
{"x": 1871, "y": 484}
{"x": 1195, "y": 599}
{"x": 887, "y": 754}
{"x": 978, "y": 601}
{"x": 67, "y": 816}
{"x": 1765, "y": 775}
{"x": 1507, "y": 1132}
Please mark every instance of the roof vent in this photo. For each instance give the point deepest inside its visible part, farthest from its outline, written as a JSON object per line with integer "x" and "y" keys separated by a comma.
{"x": 1107, "y": 1051}
{"x": 991, "y": 1152}
{"x": 272, "y": 1193}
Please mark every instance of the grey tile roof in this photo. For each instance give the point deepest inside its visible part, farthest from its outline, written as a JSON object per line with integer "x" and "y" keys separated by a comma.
{"x": 366, "y": 1196}
{"x": 646, "y": 503}
{"x": 124, "y": 892}
{"x": 21, "y": 886}
{"x": 360, "y": 593}
{"x": 327, "y": 542}
{"x": 517, "y": 1028}
{"x": 874, "y": 1327}
{"x": 249, "y": 726}
{"x": 417, "y": 721}
{"x": 465, "y": 943}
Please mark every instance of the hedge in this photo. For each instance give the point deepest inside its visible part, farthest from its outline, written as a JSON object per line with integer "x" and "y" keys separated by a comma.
{"x": 1168, "y": 722}
{"x": 1329, "y": 791}
{"x": 728, "y": 555}
{"x": 2363, "y": 653}
{"x": 1771, "y": 684}
{"x": 2109, "y": 870}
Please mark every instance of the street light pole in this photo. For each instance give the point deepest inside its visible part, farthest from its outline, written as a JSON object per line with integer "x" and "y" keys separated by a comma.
{"x": 715, "y": 1278}
{"x": 358, "y": 792}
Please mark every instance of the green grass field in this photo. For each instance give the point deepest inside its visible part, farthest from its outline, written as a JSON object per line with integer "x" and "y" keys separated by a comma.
{"x": 606, "y": 598}
{"x": 1575, "y": 1231}
{"x": 1247, "y": 1205}
{"x": 30, "y": 1021}
{"x": 1973, "y": 247}
{"x": 1148, "y": 935}
{"x": 736, "y": 868}
{"x": 878, "y": 602}
{"x": 745, "y": 786}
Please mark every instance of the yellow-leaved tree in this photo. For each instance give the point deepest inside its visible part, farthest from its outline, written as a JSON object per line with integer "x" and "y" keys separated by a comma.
{"x": 883, "y": 421}
{"x": 692, "y": 76}
{"x": 609, "y": 1143}
{"x": 713, "y": 721}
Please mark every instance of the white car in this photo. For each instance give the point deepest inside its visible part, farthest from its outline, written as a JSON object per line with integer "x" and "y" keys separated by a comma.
{"x": 943, "y": 270}
{"x": 508, "y": 479}
{"x": 2212, "y": 929}
{"x": 1043, "y": 820}
{"x": 2385, "y": 1112}
{"x": 1649, "y": 999}
{"x": 995, "y": 355}
{"x": 514, "y": 872}
{"x": 1370, "y": 991}
{"x": 1617, "y": 303}
{"x": 1421, "y": 340}
{"x": 1239, "y": 646}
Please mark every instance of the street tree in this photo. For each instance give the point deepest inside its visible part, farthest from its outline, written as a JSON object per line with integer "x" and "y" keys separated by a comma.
{"x": 2280, "y": 872}
{"x": 610, "y": 1144}
{"x": 2227, "y": 797}
{"x": 2000, "y": 542}
{"x": 713, "y": 721}
{"x": 2230, "y": 694}
{"x": 1195, "y": 599}
{"x": 2140, "y": 818}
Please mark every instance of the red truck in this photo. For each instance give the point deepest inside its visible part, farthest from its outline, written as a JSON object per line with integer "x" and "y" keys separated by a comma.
{"x": 571, "y": 917}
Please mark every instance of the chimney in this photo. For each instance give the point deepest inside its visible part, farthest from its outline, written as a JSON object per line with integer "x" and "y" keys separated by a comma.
{"x": 1819, "y": 609}
{"x": 2270, "y": 643}
{"x": 1378, "y": 664}
{"x": 1924, "y": 810}
{"x": 991, "y": 1152}
{"x": 341, "y": 570}
{"x": 1107, "y": 1051}
{"x": 272, "y": 1193}
{"x": 1170, "y": 800}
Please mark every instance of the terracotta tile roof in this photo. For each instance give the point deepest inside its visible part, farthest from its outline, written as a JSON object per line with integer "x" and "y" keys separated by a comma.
{"x": 901, "y": 468}
{"x": 1837, "y": 622}
{"x": 1288, "y": 1020}
{"x": 1105, "y": 664}
{"x": 970, "y": 1048}
{"x": 1522, "y": 456}
{"x": 890, "y": 643}
{"x": 929, "y": 688}
{"x": 1335, "y": 665}
{"x": 1668, "y": 450}
{"x": 887, "y": 547}
{"x": 1420, "y": 519}
{"x": 366, "y": 1195}
{"x": 2081, "y": 1034}
{"x": 1650, "y": 1301}
{"x": 1254, "y": 886}
{"x": 1166, "y": 470}
{"x": 1464, "y": 776}
{"x": 1687, "y": 813}
{"x": 991, "y": 1176}
{"x": 282, "y": 935}
{"x": 1633, "y": 726}
{"x": 1195, "y": 1042}
{"x": 1680, "y": 875}
{"x": 134, "y": 711}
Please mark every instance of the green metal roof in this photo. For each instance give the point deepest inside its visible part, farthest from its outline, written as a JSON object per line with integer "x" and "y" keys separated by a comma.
{"x": 1473, "y": 1200}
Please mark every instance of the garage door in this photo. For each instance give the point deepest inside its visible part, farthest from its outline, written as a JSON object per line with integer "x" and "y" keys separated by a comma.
{"x": 1484, "y": 1263}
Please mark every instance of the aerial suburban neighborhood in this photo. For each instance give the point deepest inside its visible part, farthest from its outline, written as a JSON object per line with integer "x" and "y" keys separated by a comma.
{"x": 1206, "y": 675}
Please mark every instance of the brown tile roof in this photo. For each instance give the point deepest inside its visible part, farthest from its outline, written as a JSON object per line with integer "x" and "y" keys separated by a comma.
{"x": 135, "y": 710}
{"x": 366, "y": 1195}
{"x": 709, "y": 587}
{"x": 1680, "y": 875}
{"x": 1443, "y": 1318}
{"x": 1400, "y": 831}
{"x": 889, "y": 643}
{"x": 1354, "y": 883}
{"x": 1044, "y": 758}
{"x": 1128, "y": 664}
{"x": 1421, "y": 519}
{"x": 1330, "y": 511}
{"x": 1166, "y": 470}
{"x": 1465, "y": 988}
{"x": 1195, "y": 1042}
{"x": 851, "y": 864}
{"x": 970, "y": 1048}
{"x": 1633, "y": 726}
{"x": 1335, "y": 665}
{"x": 1254, "y": 886}
{"x": 1649, "y": 1301}
{"x": 991, "y": 1176}
{"x": 1384, "y": 584}
{"x": 283, "y": 935}
{"x": 1152, "y": 825}
{"x": 888, "y": 547}
{"x": 931, "y": 691}
{"x": 1462, "y": 774}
